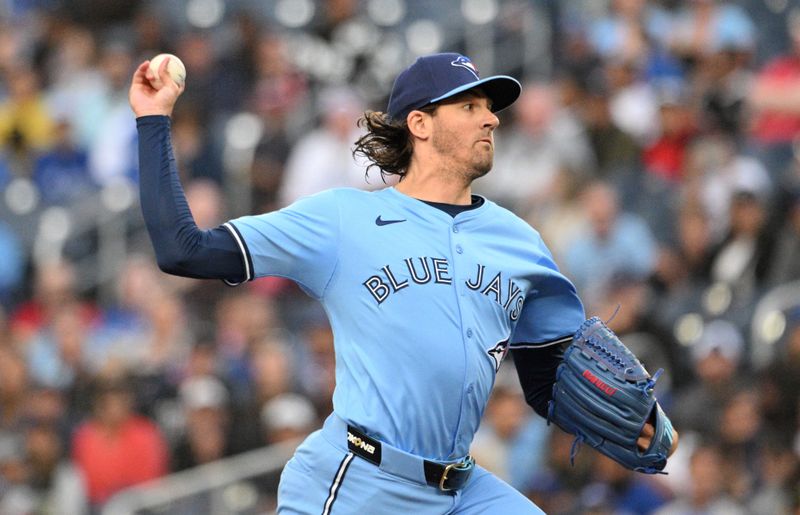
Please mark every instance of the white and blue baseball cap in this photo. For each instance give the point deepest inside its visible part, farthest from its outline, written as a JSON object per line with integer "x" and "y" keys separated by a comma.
{"x": 435, "y": 77}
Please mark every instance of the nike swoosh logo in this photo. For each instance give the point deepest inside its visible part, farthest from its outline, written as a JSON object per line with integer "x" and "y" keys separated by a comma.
{"x": 380, "y": 222}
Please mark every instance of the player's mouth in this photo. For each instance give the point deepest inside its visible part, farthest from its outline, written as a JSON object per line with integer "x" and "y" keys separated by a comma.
{"x": 486, "y": 140}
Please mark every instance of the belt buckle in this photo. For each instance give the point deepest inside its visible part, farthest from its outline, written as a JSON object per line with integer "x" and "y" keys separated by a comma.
{"x": 462, "y": 464}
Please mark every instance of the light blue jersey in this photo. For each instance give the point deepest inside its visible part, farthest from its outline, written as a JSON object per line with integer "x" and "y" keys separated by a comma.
{"x": 423, "y": 306}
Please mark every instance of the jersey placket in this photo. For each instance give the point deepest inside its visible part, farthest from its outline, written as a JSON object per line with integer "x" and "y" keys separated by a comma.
{"x": 457, "y": 253}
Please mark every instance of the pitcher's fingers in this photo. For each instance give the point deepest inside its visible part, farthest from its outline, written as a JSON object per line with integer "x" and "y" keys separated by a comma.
{"x": 163, "y": 74}
{"x": 140, "y": 75}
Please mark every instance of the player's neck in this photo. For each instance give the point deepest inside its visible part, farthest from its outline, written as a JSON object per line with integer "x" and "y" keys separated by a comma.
{"x": 430, "y": 184}
{"x": 435, "y": 189}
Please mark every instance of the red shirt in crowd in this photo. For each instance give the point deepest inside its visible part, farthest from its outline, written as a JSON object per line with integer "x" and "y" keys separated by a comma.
{"x": 771, "y": 126}
{"x": 110, "y": 462}
{"x": 666, "y": 156}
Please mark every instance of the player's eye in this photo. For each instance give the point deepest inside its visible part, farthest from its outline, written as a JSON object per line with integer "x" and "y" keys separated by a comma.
{"x": 468, "y": 106}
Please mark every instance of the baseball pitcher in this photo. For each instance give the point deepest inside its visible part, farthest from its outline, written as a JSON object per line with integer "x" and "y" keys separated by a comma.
{"x": 427, "y": 288}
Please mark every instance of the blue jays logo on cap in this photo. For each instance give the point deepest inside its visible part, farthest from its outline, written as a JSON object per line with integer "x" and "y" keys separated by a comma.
{"x": 435, "y": 77}
{"x": 466, "y": 63}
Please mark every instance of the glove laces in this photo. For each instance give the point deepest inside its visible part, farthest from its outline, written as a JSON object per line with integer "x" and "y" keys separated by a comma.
{"x": 576, "y": 446}
{"x": 651, "y": 383}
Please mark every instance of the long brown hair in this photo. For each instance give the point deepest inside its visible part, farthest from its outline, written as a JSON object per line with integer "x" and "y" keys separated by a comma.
{"x": 387, "y": 143}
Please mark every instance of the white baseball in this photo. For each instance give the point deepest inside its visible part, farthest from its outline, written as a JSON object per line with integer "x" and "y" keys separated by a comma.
{"x": 175, "y": 68}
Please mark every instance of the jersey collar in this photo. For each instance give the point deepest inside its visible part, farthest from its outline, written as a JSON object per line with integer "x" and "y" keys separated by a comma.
{"x": 427, "y": 211}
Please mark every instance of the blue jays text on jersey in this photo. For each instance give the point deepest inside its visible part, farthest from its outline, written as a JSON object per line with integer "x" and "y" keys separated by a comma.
{"x": 418, "y": 271}
{"x": 423, "y": 305}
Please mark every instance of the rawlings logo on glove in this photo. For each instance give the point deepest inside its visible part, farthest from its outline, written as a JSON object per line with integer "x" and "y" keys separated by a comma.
{"x": 604, "y": 396}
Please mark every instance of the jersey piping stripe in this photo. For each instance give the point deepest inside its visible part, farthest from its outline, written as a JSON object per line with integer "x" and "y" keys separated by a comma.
{"x": 541, "y": 345}
{"x": 337, "y": 482}
{"x": 248, "y": 262}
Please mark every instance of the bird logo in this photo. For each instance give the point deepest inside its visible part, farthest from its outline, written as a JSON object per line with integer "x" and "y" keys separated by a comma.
{"x": 465, "y": 63}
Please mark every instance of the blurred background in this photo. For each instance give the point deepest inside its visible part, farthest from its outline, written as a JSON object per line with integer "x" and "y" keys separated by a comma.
{"x": 655, "y": 147}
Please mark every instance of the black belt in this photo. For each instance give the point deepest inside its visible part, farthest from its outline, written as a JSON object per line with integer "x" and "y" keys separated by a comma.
{"x": 445, "y": 476}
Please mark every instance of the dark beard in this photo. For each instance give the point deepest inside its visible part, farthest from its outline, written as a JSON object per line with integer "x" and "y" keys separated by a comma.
{"x": 476, "y": 169}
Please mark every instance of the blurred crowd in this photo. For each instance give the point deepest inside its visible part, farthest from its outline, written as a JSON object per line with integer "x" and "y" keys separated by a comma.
{"x": 658, "y": 154}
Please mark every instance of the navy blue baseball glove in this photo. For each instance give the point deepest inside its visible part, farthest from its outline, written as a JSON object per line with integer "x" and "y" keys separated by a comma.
{"x": 604, "y": 396}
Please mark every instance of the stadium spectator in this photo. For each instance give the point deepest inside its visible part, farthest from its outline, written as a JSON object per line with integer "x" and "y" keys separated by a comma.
{"x": 706, "y": 493}
{"x": 317, "y": 363}
{"x": 243, "y": 319}
{"x": 55, "y": 284}
{"x": 279, "y": 89}
{"x": 323, "y": 158}
{"x": 144, "y": 318}
{"x": 271, "y": 373}
{"x": 664, "y": 157}
{"x": 716, "y": 358}
{"x": 742, "y": 258}
{"x": 741, "y": 430}
{"x": 55, "y": 355}
{"x": 613, "y": 488}
{"x": 61, "y": 174}
{"x": 780, "y": 383}
{"x": 116, "y": 448}
{"x": 75, "y": 81}
{"x": 560, "y": 217}
{"x": 112, "y": 144}
{"x": 16, "y": 496}
{"x": 544, "y": 140}
{"x": 195, "y": 150}
{"x": 778, "y": 472}
{"x": 633, "y": 104}
{"x": 612, "y": 242}
{"x": 784, "y": 267}
{"x": 618, "y": 155}
{"x": 724, "y": 172}
{"x": 14, "y": 384}
{"x": 207, "y": 432}
{"x": 723, "y": 83}
{"x": 684, "y": 264}
{"x": 288, "y": 417}
{"x": 631, "y": 308}
{"x": 511, "y": 442}
{"x": 775, "y": 106}
{"x": 703, "y": 27}
{"x": 555, "y": 487}
{"x": 26, "y": 124}
{"x": 629, "y": 30}
{"x": 56, "y": 484}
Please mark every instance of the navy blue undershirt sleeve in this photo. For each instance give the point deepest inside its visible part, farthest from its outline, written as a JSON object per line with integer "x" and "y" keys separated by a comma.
{"x": 536, "y": 367}
{"x": 181, "y": 247}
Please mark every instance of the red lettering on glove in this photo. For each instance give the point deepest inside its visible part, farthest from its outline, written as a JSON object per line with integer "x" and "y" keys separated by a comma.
{"x": 608, "y": 390}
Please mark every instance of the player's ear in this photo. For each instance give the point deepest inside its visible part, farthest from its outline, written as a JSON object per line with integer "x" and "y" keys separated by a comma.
{"x": 420, "y": 124}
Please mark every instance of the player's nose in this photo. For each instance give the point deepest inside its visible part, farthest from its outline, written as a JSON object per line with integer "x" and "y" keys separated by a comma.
{"x": 490, "y": 121}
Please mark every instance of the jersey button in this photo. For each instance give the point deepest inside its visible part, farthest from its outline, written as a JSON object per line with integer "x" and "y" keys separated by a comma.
{"x": 455, "y": 229}
{"x": 469, "y": 333}
{"x": 459, "y": 249}
{"x": 470, "y": 389}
